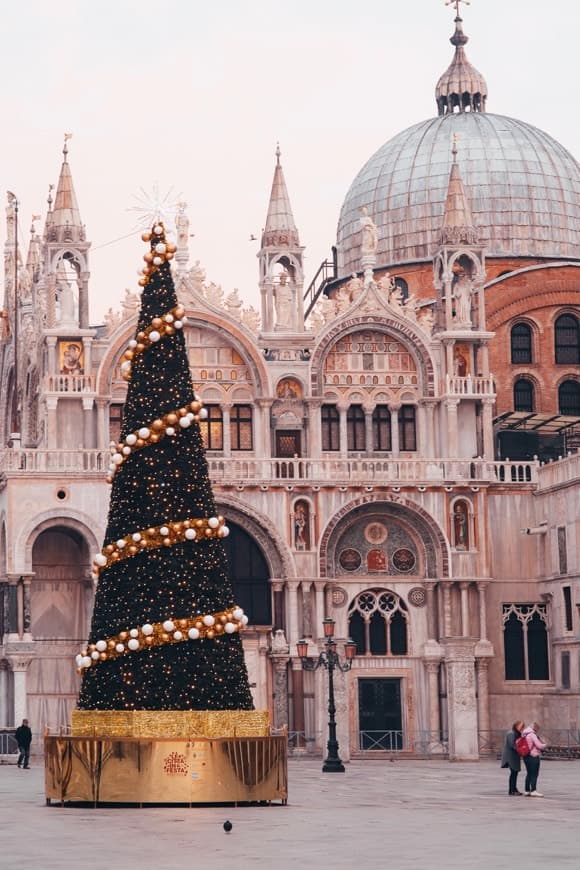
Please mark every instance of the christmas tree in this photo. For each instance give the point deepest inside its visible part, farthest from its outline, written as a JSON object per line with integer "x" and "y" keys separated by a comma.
{"x": 165, "y": 628}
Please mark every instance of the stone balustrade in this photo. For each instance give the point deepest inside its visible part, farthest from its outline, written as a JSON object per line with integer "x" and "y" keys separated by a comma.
{"x": 562, "y": 471}
{"x": 248, "y": 471}
{"x": 69, "y": 383}
{"x": 469, "y": 386}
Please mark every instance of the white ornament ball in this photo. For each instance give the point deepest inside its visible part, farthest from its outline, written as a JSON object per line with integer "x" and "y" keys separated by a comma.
{"x": 131, "y": 439}
{"x": 79, "y": 660}
{"x": 203, "y": 413}
{"x": 136, "y": 536}
{"x": 213, "y": 522}
{"x": 134, "y": 632}
{"x": 178, "y": 324}
{"x": 158, "y": 230}
{"x": 168, "y": 625}
{"x": 117, "y": 459}
{"x": 100, "y": 559}
{"x": 133, "y": 644}
{"x": 170, "y": 430}
{"x": 126, "y": 451}
{"x": 101, "y": 645}
{"x": 184, "y": 319}
{"x": 169, "y": 318}
{"x": 225, "y": 531}
{"x": 133, "y": 343}
{"x": 237, "y": 613}
{"x": 144, "y": 433}
{"x": 190, "y": 534}
{"x": 154, "y": 335}
{"x": 120, "y": 648}
{"x": 147, "y": 629}
{"x": 86, "y": 662}
{"x": 208, "y": 620}
{"x": 157, "y": 261}
{"x": 126, "y": 366}
{"x": 164, "y": 531}
{"x": 95, "y": 655}
{"x": 245, "y": 619}
{"x": 121, "y": 544}
{"x": 177, "y": 635}
{"x": 184, "y": 422}
{"x": 160, "y": 247}
{"x": 193, "y": 634}
{"x": 229, "y": 627}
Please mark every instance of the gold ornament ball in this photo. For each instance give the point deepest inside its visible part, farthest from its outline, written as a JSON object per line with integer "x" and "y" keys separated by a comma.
{"x": 172, "y": 419}
{"x": 146, "y": 237}
{"x": 211, "y": 634}
{"x": 165, "y": 637}
{"x": 157, "y": 424}
{"x": 111, "y": 644}
{"x": 156, "y": 322}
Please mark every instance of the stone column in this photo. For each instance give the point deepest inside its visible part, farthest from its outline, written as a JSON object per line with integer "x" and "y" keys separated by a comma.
{"x": 483, "y": 694}
{"x": 280, "y": 657}
{"x": 88, "y": 346}
{"x": 464, "y": 587}
{"x": 52, "y": 360}
{"x": 12, "y": 609}
{"x": 26, "y": 608}
{"x": 428, "y": 440}
{"x": 314, "y": 428}
{"x": 88, "y": 403}
{"x": 227, "y": 430}
{"x": 319, "y": 588}
{"x": 369, "y": 439}
{"x": 462, "y": 707}
{"x": 292, "y": 611}
{"x": 394, "y": 408}
{"x": 306, "y": 609}
{"x": 51, "y": 433}
{"x": 19, "y": 662}
{"x": 342, "y": 410}
{"x": 452, "y": 440}
{"x": 434, "y": 719}
{"x": 481, "y": 587}
{"x": 84, "y": 300}
{"x": 278, "y": 596}
{"x": 3, "y": 695}
{"x": 431, "y": 624}
{"x": 298, "y": 700}
{"x": 102, "y": 433}
{"x": 446, "y": 586}
{"x": 487, "y": 426}
{"x": 262, "y": 428}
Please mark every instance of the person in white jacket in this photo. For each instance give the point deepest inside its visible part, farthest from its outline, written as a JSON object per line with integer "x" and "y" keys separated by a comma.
{"x": 532, "y": 761}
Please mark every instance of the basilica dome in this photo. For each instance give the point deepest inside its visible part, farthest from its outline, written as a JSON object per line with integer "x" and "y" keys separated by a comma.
{"x": 522, "y": 185}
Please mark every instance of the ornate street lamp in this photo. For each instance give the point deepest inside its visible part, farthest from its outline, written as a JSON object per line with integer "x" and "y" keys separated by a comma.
{"x": 330, "y": 660}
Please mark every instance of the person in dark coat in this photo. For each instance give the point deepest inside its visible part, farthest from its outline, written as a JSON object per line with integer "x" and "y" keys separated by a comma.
{"x": 23, "y": 737}
{"x": 510, "y": 757}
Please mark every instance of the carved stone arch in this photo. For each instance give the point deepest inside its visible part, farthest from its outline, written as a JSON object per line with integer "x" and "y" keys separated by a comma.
{"x": 79, "y": 522}
{"x": 466, "y": 255}
{"x": 74, "y": 253}
{"x": 205, "y": 320}
{"x": 285, "y": 258}
{"x": 407, "y": 332}
{"x": 264, "y": 532}
{"x": 437, "y": 553}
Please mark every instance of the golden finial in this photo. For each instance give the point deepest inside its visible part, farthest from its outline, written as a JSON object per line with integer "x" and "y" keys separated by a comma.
{"x": 456, "y": 4}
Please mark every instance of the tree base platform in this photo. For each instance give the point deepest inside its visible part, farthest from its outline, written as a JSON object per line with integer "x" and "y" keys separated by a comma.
{"x": 184, "y": 724}
{"x": 166, "y": 770}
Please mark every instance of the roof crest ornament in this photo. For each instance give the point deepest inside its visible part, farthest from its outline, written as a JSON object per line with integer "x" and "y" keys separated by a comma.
{"x": 461, "y": 88}
{"x": 67, "y": 136}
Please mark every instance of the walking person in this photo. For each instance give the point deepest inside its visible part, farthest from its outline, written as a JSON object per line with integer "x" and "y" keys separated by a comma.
{"x": 23, "y": 737}
{"x": 532, "y": 760}
{"x": 510, "y": 757}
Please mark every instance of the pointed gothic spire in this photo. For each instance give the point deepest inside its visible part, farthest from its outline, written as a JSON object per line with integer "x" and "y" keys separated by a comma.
{"x": 458, "y": 227}
{"x": 280, "y": 229}
{"x": 461, "y": 88}
{"x": 65, "y": 218}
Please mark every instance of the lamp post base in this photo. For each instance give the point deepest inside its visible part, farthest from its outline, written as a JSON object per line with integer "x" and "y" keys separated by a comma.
{"x": 333, "y": 765}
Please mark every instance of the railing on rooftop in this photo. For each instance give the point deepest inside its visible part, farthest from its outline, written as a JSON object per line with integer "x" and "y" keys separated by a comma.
{"x": 563, "y": 471}
{"x": 244, "y": 472}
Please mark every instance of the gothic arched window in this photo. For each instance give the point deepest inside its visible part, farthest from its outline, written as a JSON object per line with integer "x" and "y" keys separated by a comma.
{"x": 330, "y": 424}
{"x": 355, "y": 427}
{"x": 525, "y": 641}
{"x": 523, "y": 395}
{"x": 569, "y": 398}
{"x": 521, "y": 344}
{"x": 212, "y": 428}
{"x": 249, "y": 574}
{"x": 377, "y": 622}
{"x": 567, "y": 340}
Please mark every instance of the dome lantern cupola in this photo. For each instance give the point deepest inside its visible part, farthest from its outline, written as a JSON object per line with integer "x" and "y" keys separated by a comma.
{"x": 461, "y": 88}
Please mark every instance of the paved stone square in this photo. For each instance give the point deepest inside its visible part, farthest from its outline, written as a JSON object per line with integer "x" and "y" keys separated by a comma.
{"x": 379, "y": 814}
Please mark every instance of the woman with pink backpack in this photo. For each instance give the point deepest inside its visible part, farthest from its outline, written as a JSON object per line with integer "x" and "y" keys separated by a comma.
{"x": 532, "y": 759}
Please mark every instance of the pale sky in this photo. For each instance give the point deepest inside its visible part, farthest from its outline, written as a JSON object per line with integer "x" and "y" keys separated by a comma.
{"x": 194, "y": 96}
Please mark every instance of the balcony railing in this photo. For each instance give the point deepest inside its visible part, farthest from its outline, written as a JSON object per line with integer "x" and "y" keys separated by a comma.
{"x": 339, "y": 472}
{"x": 563, "y": 471}
{"x": 469, "y": 386}
{"x": 69, "y": 383}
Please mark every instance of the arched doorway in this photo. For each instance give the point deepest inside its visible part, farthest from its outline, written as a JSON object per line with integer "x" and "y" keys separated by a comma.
{"x": 60, "y": 605}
